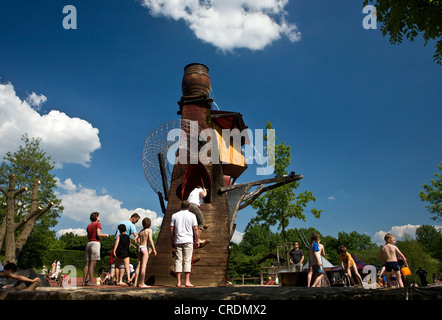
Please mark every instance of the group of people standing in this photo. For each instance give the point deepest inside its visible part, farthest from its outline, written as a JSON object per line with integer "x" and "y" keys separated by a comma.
{"x": 185, "y": 228}
{"x": 389, "y": 255}
{"x": 120, "y": 251}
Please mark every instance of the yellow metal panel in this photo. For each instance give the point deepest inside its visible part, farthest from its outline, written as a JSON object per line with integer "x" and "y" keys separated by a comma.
{"x": 230, "y": 152}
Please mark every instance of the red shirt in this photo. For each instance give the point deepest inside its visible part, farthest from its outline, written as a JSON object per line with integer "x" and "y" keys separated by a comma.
{"x": 92, "y": 231}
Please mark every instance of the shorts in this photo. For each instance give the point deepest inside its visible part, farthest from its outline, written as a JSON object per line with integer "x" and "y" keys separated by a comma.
{"x": 392, "y": 266}
{"x": 317, "y": 269}
{"x": 93, "y": 251}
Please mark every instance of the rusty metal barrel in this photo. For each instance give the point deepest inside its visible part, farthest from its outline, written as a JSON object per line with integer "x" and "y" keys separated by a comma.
{"x": 196, "y": 81}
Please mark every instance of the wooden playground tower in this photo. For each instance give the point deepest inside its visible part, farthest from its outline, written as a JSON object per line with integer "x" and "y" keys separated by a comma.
{"x": 224, "y": 199}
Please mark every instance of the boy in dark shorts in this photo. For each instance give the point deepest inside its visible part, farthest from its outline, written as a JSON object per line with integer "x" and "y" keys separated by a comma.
{"x": 389, "y": 253}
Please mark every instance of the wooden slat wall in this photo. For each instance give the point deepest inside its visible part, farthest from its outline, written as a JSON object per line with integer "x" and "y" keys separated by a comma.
{"x": 211, "y": 268}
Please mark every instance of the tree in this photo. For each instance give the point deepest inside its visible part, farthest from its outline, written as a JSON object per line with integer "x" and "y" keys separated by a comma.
{"x": 40, "y": 241}
{"x": 240, "y": 263}
{"x": 257, "y": 242}
{"x": 258, "y": 239}
{"x": 355, "y": 241}
{"x": 409, "y": 18}
{"x": 433, "y": 195}
{"x": 431, "y": 240}
{"x": 418, "y": 257}
{"x": 301, "y": 235}
{"x": 21, "y": 213}
{"x": 278, "y": 205}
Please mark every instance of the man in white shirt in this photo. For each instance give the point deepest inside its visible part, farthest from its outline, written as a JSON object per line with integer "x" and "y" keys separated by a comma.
{"x": 196, "y": 199}
{"x": 184, "y": 236}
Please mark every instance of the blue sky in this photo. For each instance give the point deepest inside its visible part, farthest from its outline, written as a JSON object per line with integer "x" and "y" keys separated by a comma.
{"x": 363, "y": 117}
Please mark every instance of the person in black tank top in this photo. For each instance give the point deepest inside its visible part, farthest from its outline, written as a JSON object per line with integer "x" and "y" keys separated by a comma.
{"x": 123, "y": 246}
{"x": 121, "y": 249}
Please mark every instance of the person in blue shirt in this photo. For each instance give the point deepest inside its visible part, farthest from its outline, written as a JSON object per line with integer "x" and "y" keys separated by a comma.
{"x": 130, "y": 225}
{"x": 316, "y": 250}
{"x": 130, "y": 230}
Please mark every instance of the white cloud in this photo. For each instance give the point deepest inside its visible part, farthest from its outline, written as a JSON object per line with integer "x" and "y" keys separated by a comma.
{"x": 79, "y": 202}
{"x": 237, "y": 236}
{"x": 77, "y": 232}
{"x": 331, "y": 198}
{"x": 65, "y": 139}
{"x": 36, "y": 100}
{"x": 230, "y": 24}
{"x": 398, "y": 231}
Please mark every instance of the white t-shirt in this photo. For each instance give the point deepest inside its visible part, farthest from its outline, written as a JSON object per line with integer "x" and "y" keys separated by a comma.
{"x": 195, "y": 196}
{"x": 183, "y": 222}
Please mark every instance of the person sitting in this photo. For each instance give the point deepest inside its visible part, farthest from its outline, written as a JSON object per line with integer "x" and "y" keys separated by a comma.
{"x": 24, "y": 283}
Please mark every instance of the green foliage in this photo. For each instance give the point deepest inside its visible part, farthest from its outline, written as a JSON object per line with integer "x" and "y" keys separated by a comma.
{"x": 433, "y": 195}
{"x": 37, "y": 244}
{"x": 30, "y": 163}
{"x": 301, "y": 235}
{"x": 330, "y": 246}
{"x": 71, "y": 251}
{"x": 70, "y": 241}
{"x": 75, "y": 258}
{"x": 355, "y": 241}
{"x": 431, "y": 240}
{"x": 370, "y": 256}
{"x": 241, "y": 263}
{"x": 258, "y": 241}
{"x": 279, "y": 205}
{"x": 411, "y": 18}
{"x": 418, "y": 257}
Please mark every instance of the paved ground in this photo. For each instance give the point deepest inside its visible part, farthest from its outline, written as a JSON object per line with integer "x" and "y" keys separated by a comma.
{"x": 226, "y": 293}
{"x": 260, "y": 302}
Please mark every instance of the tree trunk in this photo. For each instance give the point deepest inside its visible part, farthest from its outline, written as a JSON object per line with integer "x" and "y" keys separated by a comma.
{"x": 35, "y": 213}
{"x": 10, "y": 231}
{"x": 9, "y": 226}
{"x": 8, "y": 221}
{"x": 2, "y": 232}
